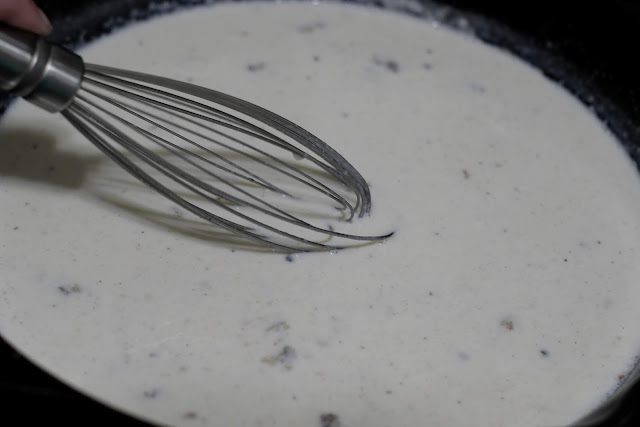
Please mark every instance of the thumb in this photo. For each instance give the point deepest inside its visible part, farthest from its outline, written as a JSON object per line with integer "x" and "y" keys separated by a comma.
{"x": 26, "y": 15}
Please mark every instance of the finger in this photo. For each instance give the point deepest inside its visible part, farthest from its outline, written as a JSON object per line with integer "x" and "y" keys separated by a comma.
{"x": 24, "y": 14}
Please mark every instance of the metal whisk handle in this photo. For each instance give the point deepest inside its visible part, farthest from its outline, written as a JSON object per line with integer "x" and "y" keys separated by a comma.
{"x": 42, "y": 73}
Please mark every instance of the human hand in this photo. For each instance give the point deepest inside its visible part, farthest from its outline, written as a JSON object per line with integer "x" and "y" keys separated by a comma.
{"x": 26, "y": 15}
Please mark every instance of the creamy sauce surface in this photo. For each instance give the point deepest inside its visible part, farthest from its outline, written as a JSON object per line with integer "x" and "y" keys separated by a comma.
{"x": 508, "y": 295}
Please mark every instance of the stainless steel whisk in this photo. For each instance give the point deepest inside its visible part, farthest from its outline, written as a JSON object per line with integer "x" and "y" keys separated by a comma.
{"x": 223, "y": 159}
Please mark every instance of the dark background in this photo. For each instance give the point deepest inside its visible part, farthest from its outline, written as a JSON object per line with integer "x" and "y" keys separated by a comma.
{"x": 590, "y": 47}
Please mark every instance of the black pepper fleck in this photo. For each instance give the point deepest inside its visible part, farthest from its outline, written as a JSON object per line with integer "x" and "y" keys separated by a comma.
{"x": 329, "y": 420}
{"x": 279, "y": 326}
{"x": 477, "y": 88}
{"x": 256, "y": 66}
{"x": 289, "y": 258}
{"x": 544, "y": 353}
{"x": 286, "y": 357}
{"x": 507, "y": 324}
{"x": 389, "y": 64}
{"x": 310, "y": 27}
{"x": 151, "y": 394}
{"x": 191, "y": 415}
{"x": 68, "y": 290}
{"x": 177, "y": 212}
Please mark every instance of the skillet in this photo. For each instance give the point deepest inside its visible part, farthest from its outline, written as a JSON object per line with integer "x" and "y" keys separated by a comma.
{"x": 586, "y": 47}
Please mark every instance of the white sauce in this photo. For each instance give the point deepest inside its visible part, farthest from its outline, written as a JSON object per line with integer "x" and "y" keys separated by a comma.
{"x": 508, "y": 295}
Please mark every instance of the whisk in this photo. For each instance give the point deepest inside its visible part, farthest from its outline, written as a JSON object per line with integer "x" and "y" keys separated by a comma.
{"x": 225, "y": 160}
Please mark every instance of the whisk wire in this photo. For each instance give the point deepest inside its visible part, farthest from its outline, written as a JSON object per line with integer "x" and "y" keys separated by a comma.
{"x": 341, "y": 169}
{"x": 121, "y": 160}
{"x": 113, "y": 153}
{"x": 253, "y": 178}
{"x": 172, "y": 149}
{"x": 167, "y": 144}
{"x": 190, "y": 182}
{"x": 197, "y": 147}
{"x": 270, "y": 138}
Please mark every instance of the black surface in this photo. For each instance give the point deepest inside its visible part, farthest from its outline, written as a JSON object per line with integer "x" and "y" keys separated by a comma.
{"x": 588, "y": 46}
{"x": 30, "y": 397}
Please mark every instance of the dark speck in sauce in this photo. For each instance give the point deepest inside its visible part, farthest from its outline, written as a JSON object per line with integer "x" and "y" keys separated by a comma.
{"x": 329, "y": 420}
{"x": 279, "y": 326}
{"x": 151, "y": 394}
{"x": 285, "y": 357}
{"x": 389, "y": 64}
{"x": 68, "y": 290}
{"x": 256, "y": 66}
{"x": 508, "y": 324}
{"x": 310, "y": 27}
{"x": 191, "y": 415}
{"x": 477, "y": 88}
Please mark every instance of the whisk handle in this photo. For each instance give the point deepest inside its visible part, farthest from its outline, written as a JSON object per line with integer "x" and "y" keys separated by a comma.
{"x": 45, "y": 74}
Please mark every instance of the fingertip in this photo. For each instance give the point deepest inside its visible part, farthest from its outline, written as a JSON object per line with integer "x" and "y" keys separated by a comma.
{"x": 44, "y": 26}
{"x": 26, "y": 15}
